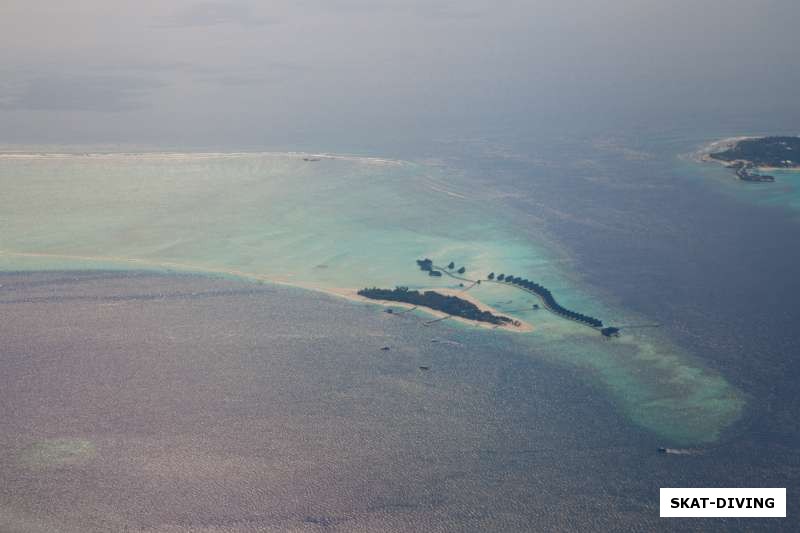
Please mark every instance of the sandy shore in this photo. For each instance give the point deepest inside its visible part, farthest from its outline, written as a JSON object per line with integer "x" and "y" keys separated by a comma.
{"x": 781, "y": 169}
{"x": 703, "y": 155}
{"x": 348, "y": 293}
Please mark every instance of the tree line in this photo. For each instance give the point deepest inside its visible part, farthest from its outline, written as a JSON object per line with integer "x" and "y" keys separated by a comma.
{"x": 451, "y": 305}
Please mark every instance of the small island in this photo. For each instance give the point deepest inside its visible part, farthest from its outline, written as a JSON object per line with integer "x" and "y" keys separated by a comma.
{"x": 746, "y": 155}
{"x": 452, "y": 305}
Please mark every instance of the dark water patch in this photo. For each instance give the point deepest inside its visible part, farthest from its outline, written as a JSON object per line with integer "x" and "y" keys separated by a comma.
{"x": 276, "y": 410}
{"x": 653, "y": 236}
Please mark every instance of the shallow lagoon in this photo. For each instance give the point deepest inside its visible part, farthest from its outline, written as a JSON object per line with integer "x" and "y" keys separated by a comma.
{"x": 340, "y": 222}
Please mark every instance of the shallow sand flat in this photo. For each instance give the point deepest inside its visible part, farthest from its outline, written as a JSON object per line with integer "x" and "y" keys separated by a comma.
{"x": 347, "y": 293}
{"x": 144, "y": 402}
{"x": 340, "y": 222}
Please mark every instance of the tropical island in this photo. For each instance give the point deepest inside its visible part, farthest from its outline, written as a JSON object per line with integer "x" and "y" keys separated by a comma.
{"x": 452, "y": 305}
{"x": 746, "y": 155}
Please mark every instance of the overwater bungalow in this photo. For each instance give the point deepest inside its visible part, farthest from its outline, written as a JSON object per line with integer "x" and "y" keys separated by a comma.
{"x": 610, "y": 331}
{"x": 425, "y": 264}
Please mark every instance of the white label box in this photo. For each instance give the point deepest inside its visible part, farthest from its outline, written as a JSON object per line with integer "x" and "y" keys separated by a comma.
{"x": 707, "y": 502}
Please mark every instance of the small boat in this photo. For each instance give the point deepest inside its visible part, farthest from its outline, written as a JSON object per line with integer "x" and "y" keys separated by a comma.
{"x": 311, "y": 159}
{"x": 680, "y": 451}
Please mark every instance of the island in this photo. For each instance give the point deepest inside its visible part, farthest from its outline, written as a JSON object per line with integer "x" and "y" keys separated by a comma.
{"x": 452, "y": 305}
{"x": 747, "y": 155}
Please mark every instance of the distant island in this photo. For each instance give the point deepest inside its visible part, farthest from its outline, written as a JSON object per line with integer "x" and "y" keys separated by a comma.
{"x": 451, "y": 305}
{"x": 746, "y": 155}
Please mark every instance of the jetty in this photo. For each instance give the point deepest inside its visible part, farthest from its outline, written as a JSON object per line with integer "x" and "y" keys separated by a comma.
{"x": 550, "y": 303}
{"x": 543, "y": 293}
{"x": 746, "y": 171}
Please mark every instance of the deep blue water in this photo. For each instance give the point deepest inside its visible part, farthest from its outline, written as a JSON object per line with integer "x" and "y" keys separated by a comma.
{"x": 660, "y": 237}
{"x": 667, "y": 241}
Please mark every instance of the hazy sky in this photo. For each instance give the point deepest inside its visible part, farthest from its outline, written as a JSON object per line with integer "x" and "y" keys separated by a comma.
{"x": 189, "y": 72}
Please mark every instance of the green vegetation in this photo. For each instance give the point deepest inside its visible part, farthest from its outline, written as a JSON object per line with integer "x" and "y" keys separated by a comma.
{"x": 780, "y": 152}
{"x": 451, "y": 305}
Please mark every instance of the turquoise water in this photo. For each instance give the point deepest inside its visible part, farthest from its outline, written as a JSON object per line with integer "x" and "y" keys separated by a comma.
{"x": 783, "y": 193}
{"x": 342, "y": 222}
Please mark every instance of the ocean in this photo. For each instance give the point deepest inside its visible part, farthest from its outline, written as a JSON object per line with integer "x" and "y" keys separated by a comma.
{"x": 557, "y": 428}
